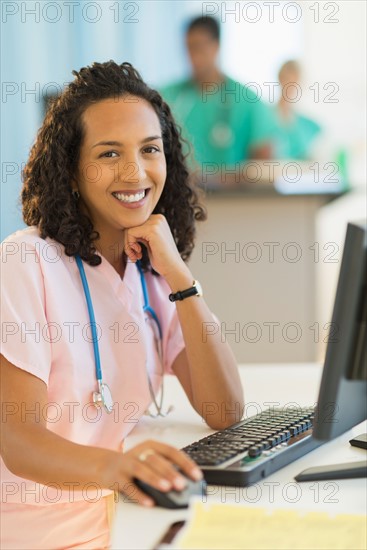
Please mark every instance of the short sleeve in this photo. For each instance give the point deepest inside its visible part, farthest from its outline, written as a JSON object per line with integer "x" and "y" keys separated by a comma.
{"x": 24, "y": 330}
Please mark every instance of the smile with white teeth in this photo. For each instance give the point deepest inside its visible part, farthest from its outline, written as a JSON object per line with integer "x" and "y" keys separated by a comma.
{"x": 130, "y": 198}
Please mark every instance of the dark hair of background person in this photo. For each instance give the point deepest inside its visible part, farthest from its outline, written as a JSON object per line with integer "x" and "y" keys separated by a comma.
{"x": 208, "y": 24}
{"x": 46, "y": 196}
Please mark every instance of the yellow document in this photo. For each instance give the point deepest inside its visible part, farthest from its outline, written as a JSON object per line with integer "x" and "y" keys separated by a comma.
{"x": 231, "y": 527}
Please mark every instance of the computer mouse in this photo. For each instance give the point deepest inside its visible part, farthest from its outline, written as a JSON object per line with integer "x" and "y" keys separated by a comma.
{"x": 174, "y": 499}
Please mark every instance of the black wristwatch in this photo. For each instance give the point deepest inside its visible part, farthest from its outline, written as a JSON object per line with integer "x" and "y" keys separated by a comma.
{"x": 195, "y": 290}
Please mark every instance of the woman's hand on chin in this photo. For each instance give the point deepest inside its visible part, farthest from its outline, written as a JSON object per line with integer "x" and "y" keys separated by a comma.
{"x": 164, "y": 257}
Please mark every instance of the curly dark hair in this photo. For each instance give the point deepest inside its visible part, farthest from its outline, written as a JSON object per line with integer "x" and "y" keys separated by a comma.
{"x": 47, "y": 199}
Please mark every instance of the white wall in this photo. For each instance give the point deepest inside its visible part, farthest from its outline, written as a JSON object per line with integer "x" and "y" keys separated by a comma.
{"x": 331, "y": 226}
{"x": 336, "y": 53}
{"x": 329, "y": 40}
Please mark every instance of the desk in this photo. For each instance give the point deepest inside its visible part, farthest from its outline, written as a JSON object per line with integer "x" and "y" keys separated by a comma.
{"x": 137, "y": 527}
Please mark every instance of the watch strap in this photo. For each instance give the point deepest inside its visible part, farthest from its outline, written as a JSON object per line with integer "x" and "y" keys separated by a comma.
{"x": 182, "y": 294}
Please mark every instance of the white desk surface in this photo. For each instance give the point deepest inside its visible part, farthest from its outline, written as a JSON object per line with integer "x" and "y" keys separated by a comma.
{"x": 137, "y": 527}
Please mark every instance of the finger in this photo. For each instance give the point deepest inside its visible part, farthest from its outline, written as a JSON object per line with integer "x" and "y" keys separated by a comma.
{"x": 140, "y": 232}
{"x": 136, "y": 247}
{"x": 133, "y": 251}
{"x": 131, "y": 254}
{"x": 144, "y": 472}
{"x": 180, "y": 458}
{"x": 134, "y": 494}
{"x": 133, "y": 246}
{"x": 166, "y": 470}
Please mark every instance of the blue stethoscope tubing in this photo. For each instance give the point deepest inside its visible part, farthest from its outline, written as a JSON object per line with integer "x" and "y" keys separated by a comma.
{"x": 146, "y": 308}
{"x": 92, "y": 319}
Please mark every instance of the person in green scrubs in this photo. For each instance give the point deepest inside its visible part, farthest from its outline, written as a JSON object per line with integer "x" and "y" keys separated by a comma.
{"x": 224, "y": 121}
{"x": 295, "y": 133}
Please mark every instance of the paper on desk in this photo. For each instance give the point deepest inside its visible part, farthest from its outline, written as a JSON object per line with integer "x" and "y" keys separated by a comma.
{"x": 233, "y": 527}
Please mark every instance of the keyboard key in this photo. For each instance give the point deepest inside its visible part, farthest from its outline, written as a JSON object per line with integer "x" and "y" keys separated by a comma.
{"x": 255, "y": 439}
{"x": 299, "y": 427}
{"x": 255, "y": 451}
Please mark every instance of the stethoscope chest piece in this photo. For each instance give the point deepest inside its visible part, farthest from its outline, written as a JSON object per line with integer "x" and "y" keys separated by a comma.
{"x": 103, "y": 397}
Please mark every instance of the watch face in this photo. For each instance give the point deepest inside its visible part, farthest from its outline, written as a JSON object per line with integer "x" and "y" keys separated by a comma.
{"x": 198, "y": 288}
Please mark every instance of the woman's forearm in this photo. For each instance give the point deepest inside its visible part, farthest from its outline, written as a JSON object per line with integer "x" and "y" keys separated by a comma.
{"x": 215, "y": 380}
{"x": 36, "y": 453}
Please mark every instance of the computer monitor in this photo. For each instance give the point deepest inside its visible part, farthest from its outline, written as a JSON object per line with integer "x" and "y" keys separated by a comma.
{"x": 342, "y": 401}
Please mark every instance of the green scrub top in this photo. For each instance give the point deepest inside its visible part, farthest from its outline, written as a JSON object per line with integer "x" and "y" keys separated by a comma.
{"x": 222, "y": 127}
{"x": 294, "y": 138}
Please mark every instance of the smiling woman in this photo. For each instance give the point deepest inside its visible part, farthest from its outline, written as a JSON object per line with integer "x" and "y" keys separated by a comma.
{"x": 131, "y": 175}
{"x": 77, "y": 138}
{"x": 107, "y": 185}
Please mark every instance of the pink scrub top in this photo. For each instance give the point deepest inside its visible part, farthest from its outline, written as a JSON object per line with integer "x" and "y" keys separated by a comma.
{"x": 46, "y": 332}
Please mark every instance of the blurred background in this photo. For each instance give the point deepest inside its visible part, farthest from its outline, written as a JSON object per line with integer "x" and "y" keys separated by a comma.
{"x": 269, "y": 255}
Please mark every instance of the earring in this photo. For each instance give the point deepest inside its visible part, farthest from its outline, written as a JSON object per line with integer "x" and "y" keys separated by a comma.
{"x": 76, "y": 194}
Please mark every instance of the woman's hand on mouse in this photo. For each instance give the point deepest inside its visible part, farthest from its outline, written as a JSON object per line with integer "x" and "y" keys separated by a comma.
{"x": 164, "y": 257}
{"x": 154, "y": 463}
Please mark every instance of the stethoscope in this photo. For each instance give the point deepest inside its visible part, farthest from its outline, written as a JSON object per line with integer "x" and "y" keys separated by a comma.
{"x": 221, "y": 134}
{"x": 103, "y": 397}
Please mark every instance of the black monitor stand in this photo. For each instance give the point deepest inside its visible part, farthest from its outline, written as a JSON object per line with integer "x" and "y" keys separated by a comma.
{"x": 347, "y": 470}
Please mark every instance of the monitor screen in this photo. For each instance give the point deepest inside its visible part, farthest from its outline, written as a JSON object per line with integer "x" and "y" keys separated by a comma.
{"x": 342, "y": 401}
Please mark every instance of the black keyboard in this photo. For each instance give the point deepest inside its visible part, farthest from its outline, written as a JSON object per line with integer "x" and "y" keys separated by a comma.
{"x": 256, "y": 447}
